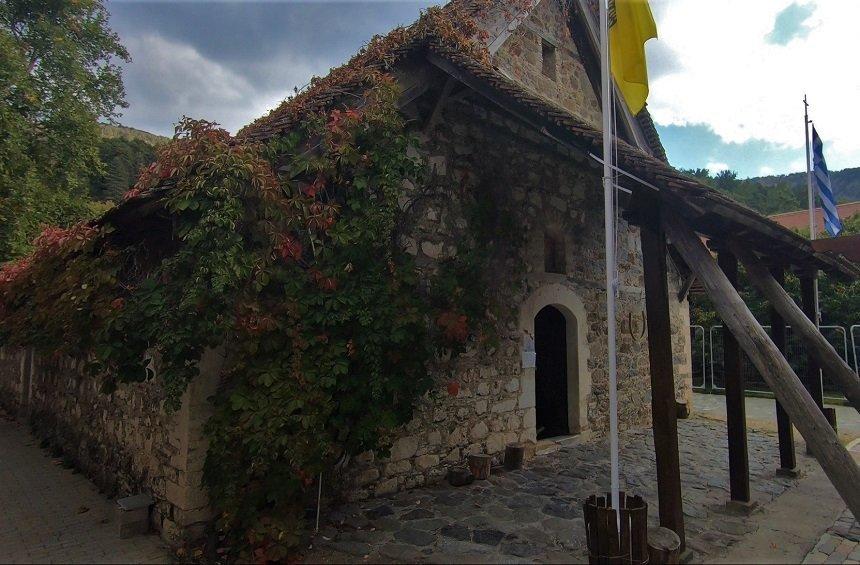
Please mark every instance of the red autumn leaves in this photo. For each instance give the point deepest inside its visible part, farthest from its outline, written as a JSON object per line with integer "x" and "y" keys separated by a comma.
{"x": 454, "y": 326}
{"x": 290, "y": 248}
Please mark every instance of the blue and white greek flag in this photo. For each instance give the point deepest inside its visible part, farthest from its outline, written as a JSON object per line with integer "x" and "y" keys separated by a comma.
{"x": 821, "y": 178}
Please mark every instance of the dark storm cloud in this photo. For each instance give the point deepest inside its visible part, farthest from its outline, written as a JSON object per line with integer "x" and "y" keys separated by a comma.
{"x": 231, "y": 61}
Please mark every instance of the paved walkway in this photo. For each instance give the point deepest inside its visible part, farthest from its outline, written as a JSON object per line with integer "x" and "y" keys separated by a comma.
{"x": 535, "y": 514}
{"x": 761, "y": 413}
{"x": 841, "y": 542}
{"x": 49, "y": 514}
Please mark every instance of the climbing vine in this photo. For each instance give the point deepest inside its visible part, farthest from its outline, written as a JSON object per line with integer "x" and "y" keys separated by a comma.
{"x": 286, "y": 256}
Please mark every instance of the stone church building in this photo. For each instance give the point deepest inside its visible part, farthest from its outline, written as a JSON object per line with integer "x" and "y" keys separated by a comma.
{"x": 517, "y": 133}
{"x": 553, "y": 283}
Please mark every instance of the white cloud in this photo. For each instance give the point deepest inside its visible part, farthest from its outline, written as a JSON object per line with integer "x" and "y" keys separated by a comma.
{"x": 766, "y": 171}
{"x": 728, "y": 77}
{"x": 170, "y": 78}
{"x": 716, "y": 166}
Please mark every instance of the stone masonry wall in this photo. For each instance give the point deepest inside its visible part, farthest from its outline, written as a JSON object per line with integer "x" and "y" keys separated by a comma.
{"x": 474, "y": 150}
{"x": 125, "y": 442}
{"x": 521, "y": 58}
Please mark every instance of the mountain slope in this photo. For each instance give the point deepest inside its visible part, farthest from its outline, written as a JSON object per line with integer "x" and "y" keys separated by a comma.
{"x": 124, "y": 151}
{"x": 110, "y": 131}
{"x": 846, "y": 183}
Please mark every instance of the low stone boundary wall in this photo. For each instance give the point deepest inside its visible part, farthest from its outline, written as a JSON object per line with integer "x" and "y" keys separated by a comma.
{"x": 126, "y": 442}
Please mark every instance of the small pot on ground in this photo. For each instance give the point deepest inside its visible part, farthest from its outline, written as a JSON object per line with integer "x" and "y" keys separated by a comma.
{"x": 460, "y": 476}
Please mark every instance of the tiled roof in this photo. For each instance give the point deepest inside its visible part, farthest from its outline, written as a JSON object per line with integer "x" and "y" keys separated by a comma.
{"x": 681, "y": 190}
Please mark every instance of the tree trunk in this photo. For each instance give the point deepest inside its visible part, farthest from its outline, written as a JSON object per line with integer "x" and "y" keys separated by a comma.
{"x": 780, "y": 377}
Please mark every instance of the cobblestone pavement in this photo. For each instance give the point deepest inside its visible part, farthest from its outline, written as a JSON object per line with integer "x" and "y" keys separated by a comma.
{"x": 535, "y": 514}
{"x": 841, "y": 543}
{"x": 49, "y": 514}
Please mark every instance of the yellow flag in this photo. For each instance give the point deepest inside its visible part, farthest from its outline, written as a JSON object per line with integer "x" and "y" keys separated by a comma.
{"x": 630, "y": 26}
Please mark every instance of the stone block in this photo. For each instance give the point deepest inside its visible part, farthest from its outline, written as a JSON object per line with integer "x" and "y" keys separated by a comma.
{"x": 481, "y": 406}
{"x": 404, "y": 448}
{"x": 479, "y": 431}
{"x": 496, "y": 443}
{"x": 455, "y": 438}
{"x": 426, "y": 461}
{"x": 367, "y": 476}
{"x": 431, "y": 249}
{"x": 132, "y": 513}
{"x": 505, "y": 406}
{"x": 398, "y": 468}
{"x": 386, "y": 487}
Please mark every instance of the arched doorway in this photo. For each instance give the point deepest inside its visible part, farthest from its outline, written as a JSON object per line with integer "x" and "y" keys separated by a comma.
{"x": 562, "y": 300}
{"x": 551, "y": 374}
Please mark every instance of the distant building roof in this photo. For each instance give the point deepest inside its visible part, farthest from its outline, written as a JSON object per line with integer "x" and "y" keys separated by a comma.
{"x": 800, "y": 219}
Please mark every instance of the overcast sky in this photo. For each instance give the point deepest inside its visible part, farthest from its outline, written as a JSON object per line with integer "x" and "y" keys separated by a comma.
{"x": 727, "y": 76}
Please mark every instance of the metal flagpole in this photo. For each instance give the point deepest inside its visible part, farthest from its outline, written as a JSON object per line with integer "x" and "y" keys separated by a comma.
{"x": 609, "y": 229}
{"x": 812, "y": 227}
{"x": 811, "y": 195}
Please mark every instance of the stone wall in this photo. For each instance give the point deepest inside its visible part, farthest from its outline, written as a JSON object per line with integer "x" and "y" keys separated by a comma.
{"x": 126, "y": 442}
{"x": 521, "y": 57}
{"x": 475, "y": 151}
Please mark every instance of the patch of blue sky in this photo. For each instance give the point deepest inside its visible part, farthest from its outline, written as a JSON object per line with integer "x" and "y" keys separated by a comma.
{"x": 692, "y": 147}
{"x": 790, "y": 24}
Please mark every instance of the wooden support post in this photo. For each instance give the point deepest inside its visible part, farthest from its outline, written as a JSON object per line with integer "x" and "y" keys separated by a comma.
{"x": 804, "y": 327}
{"x": 810, "y": 308}
{"x": 663, "y": 409}
{"x": 787, "y": 460}
{"x": 837, "y": 463}
{"x": 736, "y": 422}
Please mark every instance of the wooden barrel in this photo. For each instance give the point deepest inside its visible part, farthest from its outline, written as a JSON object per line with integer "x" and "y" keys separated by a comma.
{"x": 664, "y": 546}
{"x": 480, "y": 466}
{"x": 606, "y": 543}
{"x": 514, "y": 455}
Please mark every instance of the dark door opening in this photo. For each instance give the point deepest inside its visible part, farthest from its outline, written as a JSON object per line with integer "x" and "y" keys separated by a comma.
{"x": 551, "y": 373}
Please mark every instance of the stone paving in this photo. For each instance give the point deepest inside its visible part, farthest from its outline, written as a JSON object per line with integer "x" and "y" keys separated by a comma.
{"x": 535, "y": 514}
{"x": 49, "y": 514}
{"x": 841, "y": 543}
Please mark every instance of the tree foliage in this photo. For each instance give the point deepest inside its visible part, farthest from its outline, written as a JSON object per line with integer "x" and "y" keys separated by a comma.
{"x": 765, "y": 199}
{"x": 122, "y": 159}
{"x": 57, "y": 77}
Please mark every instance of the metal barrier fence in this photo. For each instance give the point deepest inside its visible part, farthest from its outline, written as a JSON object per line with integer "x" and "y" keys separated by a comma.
{"x": 855, "y": 344}
{"x": 707, "y": 357}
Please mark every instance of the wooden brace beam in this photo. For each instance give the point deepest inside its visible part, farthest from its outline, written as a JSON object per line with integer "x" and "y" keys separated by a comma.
{"x": 815, "y": 343}
{"x": 777, "y": 373}
{"x": 685, "y": 290}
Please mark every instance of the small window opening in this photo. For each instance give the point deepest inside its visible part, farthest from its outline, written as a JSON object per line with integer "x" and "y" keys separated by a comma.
{"x": 553, "y": 254}
{"x": 548, "y": 58}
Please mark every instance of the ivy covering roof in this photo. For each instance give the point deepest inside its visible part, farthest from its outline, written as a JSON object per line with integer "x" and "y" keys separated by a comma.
{"x": 457, "y": 33}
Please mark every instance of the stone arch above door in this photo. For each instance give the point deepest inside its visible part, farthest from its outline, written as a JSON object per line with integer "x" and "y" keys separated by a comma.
{"x": 571, "y": 306}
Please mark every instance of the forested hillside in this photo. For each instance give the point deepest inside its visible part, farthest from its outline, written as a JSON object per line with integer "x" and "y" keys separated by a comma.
{"x": 846, "y": 183}
{"x": 123, "y": 151}
{"x": 776, "y": 194}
